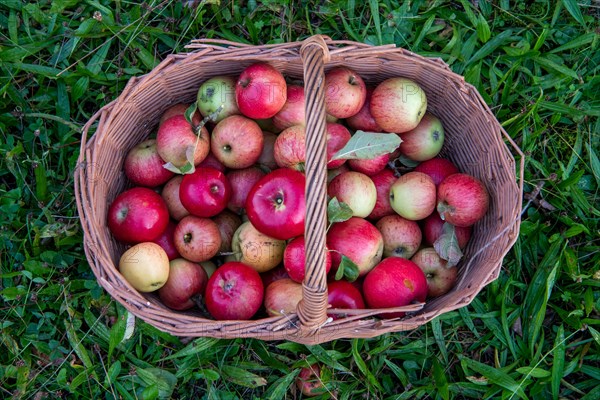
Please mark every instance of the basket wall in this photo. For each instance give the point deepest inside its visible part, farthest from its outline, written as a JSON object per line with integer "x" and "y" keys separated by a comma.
{"x": 474, "y": 142}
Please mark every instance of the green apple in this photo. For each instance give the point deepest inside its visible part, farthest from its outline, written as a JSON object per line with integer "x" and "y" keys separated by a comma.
{"x": 216, "y": 92}
{"x": 145, "y": 266}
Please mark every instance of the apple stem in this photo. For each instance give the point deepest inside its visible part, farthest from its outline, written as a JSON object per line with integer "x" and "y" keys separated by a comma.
{"x": 210, "y": 117}
{"x": 187, "y": 237}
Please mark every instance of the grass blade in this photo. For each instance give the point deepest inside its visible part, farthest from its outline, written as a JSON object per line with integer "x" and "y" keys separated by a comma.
{"x": 573, "y": 9}
{"x": 558, "y": 362}
{"x": 374, "y": 5}
{"x": 362, "y": 366}
{"x": 496, "y": 376}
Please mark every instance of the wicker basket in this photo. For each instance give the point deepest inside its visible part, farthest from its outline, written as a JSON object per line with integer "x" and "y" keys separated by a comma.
{"x": 474, "y": 142}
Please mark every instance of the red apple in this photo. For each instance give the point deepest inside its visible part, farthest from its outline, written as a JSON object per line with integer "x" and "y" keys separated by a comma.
{"x": 355, "y": 189}
{"x": 267, "y": 156}
{"x": 437, "y": 168}
{"x": 282, "y": 297}
{"x": 292, "y": 112}
{"x": 345, "y": 92}
{"x": 167, "y": 242}
{"x": 216, "y": 92}
{"x": 358, "y": 240}
{"x": 178, "y": 109}
{"x": 170, "y": 195}
{"x": 234, "y": 291}
{"x": 260, "y": 91}
{"x": 398, "y": 104}
{"x": 425, "y": 141}
{"x": 462, "y": 200}
{"x": 138, "y": 215}
{"x": 294, "y": 258}
{"x": 273, "y": 275}
{"x": 175, "y": 138}
{"x": 363, "y": 120}
{"x": 290, "y": 148}
{"x": 211, "y": 162}
{"x": 242, "y": 180}
{"x": 197, "y": 239}
{"x": 433, "y": 228}
{"x": 343, "y": 294}
{"x": 383, "y": 182}
{"x": 337, "y": 137}
{"x": 370, "y": 166}
{"x": 276, "y": 204}
{"x": 187, "y": 281}
{"x": 205, "y": 192}
{"x": 227, "y": 222}
{"x": 144, "y": 167}
{"x": 440, "y": 278}
{"x": 309, "y": 381}
{"x": 237, "y": 142}
{"x": 401, "y": 237}
{"x": 413, "y": 196}
{"x": 394, "y": 282}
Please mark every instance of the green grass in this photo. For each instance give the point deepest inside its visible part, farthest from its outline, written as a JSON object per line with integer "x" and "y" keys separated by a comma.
{"x": 534, "y": 333}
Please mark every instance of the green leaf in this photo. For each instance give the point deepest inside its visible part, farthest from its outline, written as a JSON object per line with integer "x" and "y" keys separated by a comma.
{"x": 164, "y": 380}
{"x": 117, "y": 333}
{"x": 199, "y": 345}
{"x": 368, "y": 145}
{"x": 362, "y": 366}
{"x": 447, "y": 245}
{"x": 535, "y": 372}
{"x": 281, "y": 386}
{"x": 494, "y": 375}
{"x": 483, "y": 29}
{"x": 189, "y": 113}
{"x": 242, "y": 377}
{"x": 338, "y": 211}
{"x": 594, "y": 162}
{"x": 347, "y": 269}
{"x": 441, "y": 382}
{"x": 491, "y": 45}
{"x": 573, "y": 9}
{"x": 552, "y": 66}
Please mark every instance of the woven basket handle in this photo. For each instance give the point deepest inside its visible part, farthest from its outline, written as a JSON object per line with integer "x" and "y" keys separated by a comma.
{"x": 312, "y": 309}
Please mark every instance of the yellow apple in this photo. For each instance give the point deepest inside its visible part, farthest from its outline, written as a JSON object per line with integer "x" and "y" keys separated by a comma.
{"x": 145, "y": 266}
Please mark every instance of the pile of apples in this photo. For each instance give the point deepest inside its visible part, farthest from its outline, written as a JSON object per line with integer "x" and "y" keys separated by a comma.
{"x": 215, "y": 214}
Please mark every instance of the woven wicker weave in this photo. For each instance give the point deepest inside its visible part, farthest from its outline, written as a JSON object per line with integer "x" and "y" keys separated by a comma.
{"x": 474, "y": 141}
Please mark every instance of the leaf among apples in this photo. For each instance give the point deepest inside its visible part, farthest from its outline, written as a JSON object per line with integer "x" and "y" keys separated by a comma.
{"x": 368, "y": 145}
{"x": 347, "y": 269}
{"x": 447, "y": 245}
{"x": 338, "y": 211}
{"x": 188, "y": 167}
